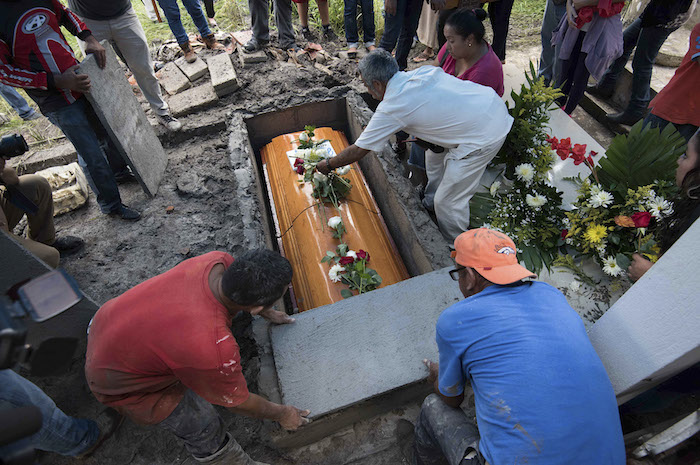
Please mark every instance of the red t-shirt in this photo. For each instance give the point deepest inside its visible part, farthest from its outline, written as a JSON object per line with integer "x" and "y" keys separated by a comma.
{"x": 162, "y": 337}
{"x": 487, "y": 71}
{"x": 679, "y": 101}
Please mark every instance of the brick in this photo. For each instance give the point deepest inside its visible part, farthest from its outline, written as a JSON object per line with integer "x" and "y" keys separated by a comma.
{"x": 193, "y": 71}
{"x": 173, "y": 80}
{"x": 249, "y": 58}
{"x": 223, "y": 76}
{"x": 192, "y": 100}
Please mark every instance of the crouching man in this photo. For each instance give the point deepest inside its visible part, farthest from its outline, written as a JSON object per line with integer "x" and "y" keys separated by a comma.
{"x": 163, "y": 352}
{"x": 542, "y": 394}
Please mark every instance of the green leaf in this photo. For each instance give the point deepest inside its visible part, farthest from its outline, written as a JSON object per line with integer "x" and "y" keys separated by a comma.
{"x": 614, "y": 238}
{"x": 326, "y": 259}
{"x": 623, "y": 261}
{"x": 346, "y": 294}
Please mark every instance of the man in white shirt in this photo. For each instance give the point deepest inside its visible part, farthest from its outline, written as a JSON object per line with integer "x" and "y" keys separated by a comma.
{"x": 468, "y": 120}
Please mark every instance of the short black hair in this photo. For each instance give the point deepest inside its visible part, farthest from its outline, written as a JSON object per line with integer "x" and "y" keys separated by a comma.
{"x": 466, "y": 22}
{"x": 258, "y": 277}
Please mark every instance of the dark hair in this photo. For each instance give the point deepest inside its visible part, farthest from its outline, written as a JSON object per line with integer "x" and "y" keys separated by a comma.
{"x": 466, "y": 22}
{"x": 258, "y": 277}
{"x": 685, "y": 205}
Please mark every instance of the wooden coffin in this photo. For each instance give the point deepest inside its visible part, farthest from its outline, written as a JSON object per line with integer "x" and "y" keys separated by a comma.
{"x": 303, "y": 234}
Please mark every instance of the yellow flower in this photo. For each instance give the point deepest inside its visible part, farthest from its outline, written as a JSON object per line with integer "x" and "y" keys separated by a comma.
{"x": 596, "y": 233}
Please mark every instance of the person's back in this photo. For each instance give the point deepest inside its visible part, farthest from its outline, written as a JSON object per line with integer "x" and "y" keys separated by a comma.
{"x": 542, "y": 394}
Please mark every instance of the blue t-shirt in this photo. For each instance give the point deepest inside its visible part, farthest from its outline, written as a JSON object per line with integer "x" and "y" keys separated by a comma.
{"x": 542, "y": 394}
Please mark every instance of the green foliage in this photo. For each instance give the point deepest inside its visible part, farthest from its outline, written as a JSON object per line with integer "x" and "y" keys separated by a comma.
{"x": 336, "y": 12}
{"x": 641, "y": 158}
{"x": 567, "y": 261}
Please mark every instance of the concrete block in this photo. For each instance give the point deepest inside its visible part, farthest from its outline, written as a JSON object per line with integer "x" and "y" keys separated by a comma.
{"x": 172, "y": 79}
{"x": 223, "y": 76}
{"x": 249, "y": 58}
{"x": 125, "y": 121}
{"x": 341, "y": 354}
{"x": 192, "y": 100}
{"x": 69, "y": 187}
{"x": 193, "y": 71}
{"x": 55, "y": 156}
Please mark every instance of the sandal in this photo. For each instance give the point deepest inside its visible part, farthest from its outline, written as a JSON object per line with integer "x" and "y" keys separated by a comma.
{"x": 423, "y": 57}
{"x": 352, "y": 52}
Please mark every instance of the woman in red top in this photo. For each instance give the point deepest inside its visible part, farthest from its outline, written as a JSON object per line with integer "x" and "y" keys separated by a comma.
{"x": 467, "y": 56}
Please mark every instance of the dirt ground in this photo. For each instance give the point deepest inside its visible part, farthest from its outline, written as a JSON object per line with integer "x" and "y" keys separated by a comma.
{"x": 215, "y": 208}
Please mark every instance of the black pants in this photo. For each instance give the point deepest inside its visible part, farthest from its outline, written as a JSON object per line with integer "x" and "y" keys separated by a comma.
{"x": 572, "y": 76}
{"x": 499, "y": 14}
{"x": 209, "y": 7}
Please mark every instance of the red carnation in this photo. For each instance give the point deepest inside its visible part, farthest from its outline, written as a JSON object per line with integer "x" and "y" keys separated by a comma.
{"x": 579, "y": 150}
{"x": 346, "y": 260}
{"x": 641, "y": 219}
{"x": 300, "y": 169}
{"x": 564, "y": 233}
{"x": 298, "y": 162}
{"x": 565, "y": 143}
{"x": 362, "y": 255}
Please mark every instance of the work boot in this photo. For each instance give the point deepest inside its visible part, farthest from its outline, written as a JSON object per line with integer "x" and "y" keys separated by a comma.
{"x": 125, "y": 213}
{"x": 230, "y": 454}
{"x": 405, "y": 436}
{"x": 211, "y": 43}
{"x": 624, "y": 118}
{"x": 67, "y": 245}
{"x": 328, "y": 33}
{"x": 599, "y": 91}
{"x": 109, "y": 422}
{"x": 253, "y": 45}
{"x": 190, "y": 56}
{"x": 307, "y": 33}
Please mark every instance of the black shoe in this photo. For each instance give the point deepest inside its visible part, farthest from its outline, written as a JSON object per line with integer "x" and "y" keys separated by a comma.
{"x": 624, "y": 118}
{"x": 254, "y": 45}
{"x": 109, "y": 422}
{"x": 68, "y": 245}
{"x": 405, "y": 436}
{"x": 125, "y": 176}
{"x": 125, "y": 213}
{"x": 308, "y": 35}
{"x": 291, "y": 47}
{"x": 600, "y": 92}
{"x": 328, "y": 33}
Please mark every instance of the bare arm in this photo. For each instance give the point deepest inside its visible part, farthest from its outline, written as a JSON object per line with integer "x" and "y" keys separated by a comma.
{"x": 453, "y": 402}
{"x": 348, "y": 156}
{"x": 290, "y": 418}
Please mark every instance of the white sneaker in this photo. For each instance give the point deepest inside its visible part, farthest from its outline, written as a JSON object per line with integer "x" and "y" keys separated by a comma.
{"x": 170, "y": 123}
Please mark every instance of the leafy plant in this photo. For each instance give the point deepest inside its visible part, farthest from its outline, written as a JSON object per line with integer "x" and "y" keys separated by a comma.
{"x": 350, "y": 268}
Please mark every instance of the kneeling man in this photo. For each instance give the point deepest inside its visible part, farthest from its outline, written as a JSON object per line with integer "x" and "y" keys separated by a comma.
{"x": 542, "y": 394}
{"x": 163, "y": 352}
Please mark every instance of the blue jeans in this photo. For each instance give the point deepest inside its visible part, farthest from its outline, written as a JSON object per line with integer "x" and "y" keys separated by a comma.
{"x": 59, "y": 433}
{"x": 16, "y": 101}
{"x": 400, "y": 29}
{"x": 350, "y": 17}
{"x": 686, "y": 130}
{"x": 172, "y": 13}
{"x": 550, "y": 20}
{"x": 648, "y": 41}
{"x": 81, "y": 126}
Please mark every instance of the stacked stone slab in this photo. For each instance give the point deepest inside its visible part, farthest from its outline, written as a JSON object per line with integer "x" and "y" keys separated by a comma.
{"x": 223, "y": 76}
{"x": 192, "y": 71}
{"x": 250, "y": 58}
{"x": 192, "y": 100}
{"x": 173, "y": 79}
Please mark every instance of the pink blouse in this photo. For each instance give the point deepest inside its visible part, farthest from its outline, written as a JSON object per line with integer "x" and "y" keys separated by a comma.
{"x": 487, "y": 71}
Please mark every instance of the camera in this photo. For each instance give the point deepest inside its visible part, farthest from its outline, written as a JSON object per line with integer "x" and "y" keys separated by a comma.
{"x": 13, "y": 145}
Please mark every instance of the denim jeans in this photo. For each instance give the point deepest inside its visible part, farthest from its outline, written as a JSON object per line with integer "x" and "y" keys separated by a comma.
{"x": 686, "y": 130}
{"x": 399, "y": 29}
{"x": 172, "y": 13}
{"x": 80, "y": 125}
{"x": 550, "y": 20}
{"x": 648, "y": 41}
{"x": 350, "y": 17}
{"x": 59, "y": 433}
{"x": 16, "y": 101}
{"x": 444, "y": 435}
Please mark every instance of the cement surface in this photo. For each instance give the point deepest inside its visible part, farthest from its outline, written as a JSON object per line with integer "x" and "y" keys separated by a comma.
{"x": 193, "y": 100}
{"x": 194, "y": 70}
{"x": 125, "y": 121}
{"x": 340, "y": 354}
{"x": 172, "y": 79}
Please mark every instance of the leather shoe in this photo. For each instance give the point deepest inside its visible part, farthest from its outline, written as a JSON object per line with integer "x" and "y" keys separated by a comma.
{"x": 67, "y": 245}
{"x": 253, "y": 46}
{"x": 600, "y": 92}
{"x": 624, "y": 118}
{"x": 125, "y": 213}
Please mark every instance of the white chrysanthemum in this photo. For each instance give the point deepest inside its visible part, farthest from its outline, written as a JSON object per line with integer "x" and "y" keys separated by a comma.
{"x": 525, "y": 172}
{"x": 351, "y": 253}
{"x": 303, "y": 137}
{"x": 334, "y": 222}
{"x": 320, "y": 177}
{"x": 494, "y": 188}
{"x": 575, "y": 286}
{"x": 334, "y": 273}
{"x": 602, "y": 249}
{"x": 535, "y": 201}
{"x": 595, "y": 189}
{"x": 343, "y": 170}
{"x": 601, "y": 199}
{"x": 611, "y": 267}
{"x": 651, "y": 195}
{"x": 659, "y": 207}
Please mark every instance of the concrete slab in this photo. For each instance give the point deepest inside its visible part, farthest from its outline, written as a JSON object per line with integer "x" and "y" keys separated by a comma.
{"x": 172, "y": 79}
{"x": 380, "y": 338}
{"x": 125, "y": 121}
{"x": 62, "y": 154}
{"x": 249, "y": 58}
{"x": 223, "y": 76}
{"x": 193, "y": 71}
{"x": 192, "y": 100}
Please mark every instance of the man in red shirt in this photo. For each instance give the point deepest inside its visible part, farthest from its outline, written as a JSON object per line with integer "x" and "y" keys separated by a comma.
{"x": 163, "y": 352}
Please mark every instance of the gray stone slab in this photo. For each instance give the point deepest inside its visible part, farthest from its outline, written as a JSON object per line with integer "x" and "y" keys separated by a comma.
{"x": 192, "y": 100}
{"x": 172, "y": 79}
{"x": 249, "y": 58}
{"x": 62, "y": 154}
{"x": 223, "y": 76}
{"x": 194, "y": 70}
{"x": 342, "y": 354}
{"x": 125, "y": 121}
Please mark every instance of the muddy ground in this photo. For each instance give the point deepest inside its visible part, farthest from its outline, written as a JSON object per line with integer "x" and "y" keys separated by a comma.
{"x": 215, "y": 208}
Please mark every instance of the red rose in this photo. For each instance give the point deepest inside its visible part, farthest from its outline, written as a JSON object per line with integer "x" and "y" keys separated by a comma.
{"x": 300, "y": 169}
{"x": 565, "y": 143}
{"x": 563, "y": 153}
{"x": 641, "y": 219}
{"x": 579, "y": 150}
{"x": 362, "y": 255}
{"x": 346, "y": 260}
{"x": 298, "y": 162}
{"x": 564, "y": 233}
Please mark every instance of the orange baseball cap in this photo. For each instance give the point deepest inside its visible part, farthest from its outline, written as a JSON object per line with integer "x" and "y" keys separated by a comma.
{"x": 491, "y": 254}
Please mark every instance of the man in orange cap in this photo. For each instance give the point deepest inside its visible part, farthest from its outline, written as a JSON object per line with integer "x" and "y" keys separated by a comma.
{"x": 541, "y": 393}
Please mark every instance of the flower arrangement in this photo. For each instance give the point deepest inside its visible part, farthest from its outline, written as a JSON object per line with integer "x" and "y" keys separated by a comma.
{"x": 306, "y": 138}
{"x": 327, "y": 188}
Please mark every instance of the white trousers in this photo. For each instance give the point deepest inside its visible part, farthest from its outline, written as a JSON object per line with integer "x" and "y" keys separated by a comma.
{"x": 453, "y": 178}
{"x": 126, "y": 35}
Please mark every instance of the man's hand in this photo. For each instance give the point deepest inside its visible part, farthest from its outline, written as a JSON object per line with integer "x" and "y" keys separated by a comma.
{"x": 292, "y": 418}
{"x": 324, "y": 166}
{"x": 570, "y": 13}
{"x": 8, "y": 175}
{"x": 276, "y": 317}
{"x": 72, "y": 81}
{"x": 437, "y": 4}
{"x": 433, "y": 369}
{"x": 639, "y": 266}
{"x": 390, "y": 7}
{"x": 94, "y": 47}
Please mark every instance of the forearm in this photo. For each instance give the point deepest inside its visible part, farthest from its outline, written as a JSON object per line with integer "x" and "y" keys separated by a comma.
{"x": 453, "y": 402}
{"x": 348, "y": 156}
{"x": 259, "y": 407}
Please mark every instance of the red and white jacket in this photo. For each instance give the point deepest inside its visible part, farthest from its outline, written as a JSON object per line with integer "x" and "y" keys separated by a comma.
{"x": 33, "y": 49}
